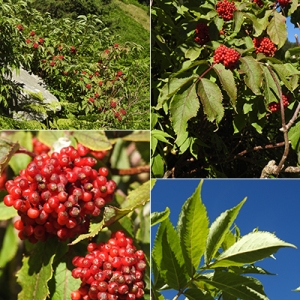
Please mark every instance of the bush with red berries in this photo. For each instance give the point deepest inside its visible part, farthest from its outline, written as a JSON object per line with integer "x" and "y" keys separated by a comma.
{"x": 82, "y": 72}
{"x": 68, "y": 199}
{"x": 219, "y": 69}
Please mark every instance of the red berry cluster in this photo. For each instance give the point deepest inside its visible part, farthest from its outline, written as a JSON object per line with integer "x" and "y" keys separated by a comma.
{"x": 57, "y": 194}
{"x": 225, "y": 9}
{"x": 202, "y": 34}
{"x": 283, "y": 2}
{"x": 264, "y": 45}
{"x": 274, "y": 106}
{"x": 112, "y": 270}
{"x": 39, "y": 147}
{"x": 226, "y": 56}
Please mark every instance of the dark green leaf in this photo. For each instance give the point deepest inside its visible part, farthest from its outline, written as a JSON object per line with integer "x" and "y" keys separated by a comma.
{"x": 211, "y": 99}
{"x": 37, "y": 270}
{"x": 253, "y": 73}
{"x": 227, "y": 81}
{"x": 183, "y": 107}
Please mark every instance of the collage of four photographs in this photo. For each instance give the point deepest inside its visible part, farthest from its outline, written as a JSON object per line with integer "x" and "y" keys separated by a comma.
{"x": 149, "y": 150}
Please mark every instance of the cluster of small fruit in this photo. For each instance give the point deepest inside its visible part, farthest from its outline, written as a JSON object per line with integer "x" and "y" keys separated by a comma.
{"x": 111, "y": 271}
{"x": 275, "y": 106}
{"x": 226, "y": 56}
{"x": 57, "y": 194}
{"x": 40, "y": 148}
{"x": 283, "y": 3}
{"x": 264, "y": 45}
{"x": 226, "y": 9}
{"x": 202, "y": 34}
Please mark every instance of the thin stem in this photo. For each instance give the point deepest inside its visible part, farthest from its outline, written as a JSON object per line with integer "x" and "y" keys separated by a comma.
{"x": 25, "y": 151}
{"x": 131, "y": 171}
{"x": 284, "y": 128}
{"x": 292, "y": 120}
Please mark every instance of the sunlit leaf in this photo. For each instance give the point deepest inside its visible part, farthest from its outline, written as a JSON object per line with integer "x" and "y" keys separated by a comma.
{"x": 193, "y": 230}
{"x": 218, "y": 231}
{"x": 250, "y": 248}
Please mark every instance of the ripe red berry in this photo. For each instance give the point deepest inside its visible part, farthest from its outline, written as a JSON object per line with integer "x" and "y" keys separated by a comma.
{"x": 202, "y": 34}
{"x": 264, "y": 45}
{"x": 226, "y": 56}
{"x": 283, "y": 3}
{"x": 225, "y": 9}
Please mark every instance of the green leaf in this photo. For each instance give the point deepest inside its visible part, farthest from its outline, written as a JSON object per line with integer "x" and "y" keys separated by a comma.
{"x": 193, "y": 52}
{"x": 271, "y": 91}
{"x": 7, "y": 212}
{"x": 253, "y": 72}
{"x": 138, "y": 136}
{"x": 49, "y": 137}
{"x": 277, "y": 29}
{"x": 183, "y": 107}
{"x": 158, "y": 217}
{"x": 9, "y": 246}
{"x": 65, "y": 283}
{"x": 218, "y": 231}
{"x": 246, "y": 288}
{"x": 37, "y": 270}
{"x": 172, "y": 263}
{"x": 161, "y": 136}
{"x": 20, "y": 161}
{"x": 7, "y": 150}
{"x": 95, "y": 140}
{"x": 251, "y": 269}
{"x": 294, "y": 136}
{"x": 93, "y": 230}
{"x": 227, "y": 81}
{"x": 139, "y": 196}
{"x": 193, "y": 230}
{"x": 211, "y": 99}
{"x": 196, "y": 294}
{"x": 157, "y": 165}
{"x": 250, "y": 248}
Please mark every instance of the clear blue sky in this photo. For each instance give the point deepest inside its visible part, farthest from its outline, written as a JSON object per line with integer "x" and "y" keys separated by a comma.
{"x": 272, "y": 205}
{"x": 292, "y": 31}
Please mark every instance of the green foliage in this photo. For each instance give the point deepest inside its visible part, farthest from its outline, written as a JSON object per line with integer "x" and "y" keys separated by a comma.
{"x": 101, "y": 79}
{"x": 221, "y": 117}
{"x": 203, "y": 261}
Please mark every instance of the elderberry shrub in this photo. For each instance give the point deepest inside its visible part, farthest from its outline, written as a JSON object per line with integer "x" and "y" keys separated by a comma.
{"x": 112, "y": 270}
{"x": 57, "y": 194}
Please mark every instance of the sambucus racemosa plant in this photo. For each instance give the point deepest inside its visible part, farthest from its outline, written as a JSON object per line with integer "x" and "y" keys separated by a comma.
{"x": 225, "y": 88}
{"x": 208, "y": 261}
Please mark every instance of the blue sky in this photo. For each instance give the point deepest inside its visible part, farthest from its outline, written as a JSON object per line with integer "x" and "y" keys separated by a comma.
{"x": 292, "y": 31}
{"x": 272, "y": 205}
